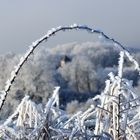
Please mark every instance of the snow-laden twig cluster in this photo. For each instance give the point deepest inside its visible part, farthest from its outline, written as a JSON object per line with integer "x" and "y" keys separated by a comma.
{"x": 31, "y": 122}
{"x": 113, "y": 115}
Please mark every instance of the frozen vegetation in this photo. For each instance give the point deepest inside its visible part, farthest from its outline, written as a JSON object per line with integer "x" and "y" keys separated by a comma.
{"x": 73, "y": 91}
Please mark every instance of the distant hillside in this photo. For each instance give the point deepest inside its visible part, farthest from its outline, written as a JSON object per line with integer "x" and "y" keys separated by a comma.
{"x": 79, "y": 69}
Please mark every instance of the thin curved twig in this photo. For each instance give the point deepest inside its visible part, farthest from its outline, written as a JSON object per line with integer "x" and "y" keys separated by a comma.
{"x": 49, "y": 34}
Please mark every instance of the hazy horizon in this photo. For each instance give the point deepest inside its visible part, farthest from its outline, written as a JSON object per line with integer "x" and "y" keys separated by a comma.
{"x": 22, "y": 22}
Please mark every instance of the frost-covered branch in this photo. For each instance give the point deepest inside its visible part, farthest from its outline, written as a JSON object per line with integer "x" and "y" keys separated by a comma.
{"x": 49, "y": 34}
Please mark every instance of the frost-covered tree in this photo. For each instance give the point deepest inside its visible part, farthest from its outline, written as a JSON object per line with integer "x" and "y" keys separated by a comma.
{"x": 80, "y": 75}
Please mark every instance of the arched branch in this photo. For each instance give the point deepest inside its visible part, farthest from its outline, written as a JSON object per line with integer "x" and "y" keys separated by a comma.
{"x": 49, "y": 34}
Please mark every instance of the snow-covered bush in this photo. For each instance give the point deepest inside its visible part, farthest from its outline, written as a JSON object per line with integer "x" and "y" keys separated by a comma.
{"x": 114, "y": 114}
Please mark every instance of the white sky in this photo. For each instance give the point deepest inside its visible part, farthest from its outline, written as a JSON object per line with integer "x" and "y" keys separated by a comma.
{"x": 24, "y": 21}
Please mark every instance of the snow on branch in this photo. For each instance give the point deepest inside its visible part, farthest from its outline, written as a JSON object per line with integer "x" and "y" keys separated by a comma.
{"x": 121, "y": 61}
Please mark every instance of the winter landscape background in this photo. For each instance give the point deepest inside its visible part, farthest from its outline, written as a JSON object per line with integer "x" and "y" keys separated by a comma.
{"x": 79, "y": 69}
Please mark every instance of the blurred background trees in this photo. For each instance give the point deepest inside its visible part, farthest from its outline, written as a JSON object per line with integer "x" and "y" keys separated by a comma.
{"x": 79, "y": 69}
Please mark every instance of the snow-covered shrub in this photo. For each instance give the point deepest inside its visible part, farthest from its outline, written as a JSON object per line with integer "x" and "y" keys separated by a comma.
{"x": 114, "y": 114}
